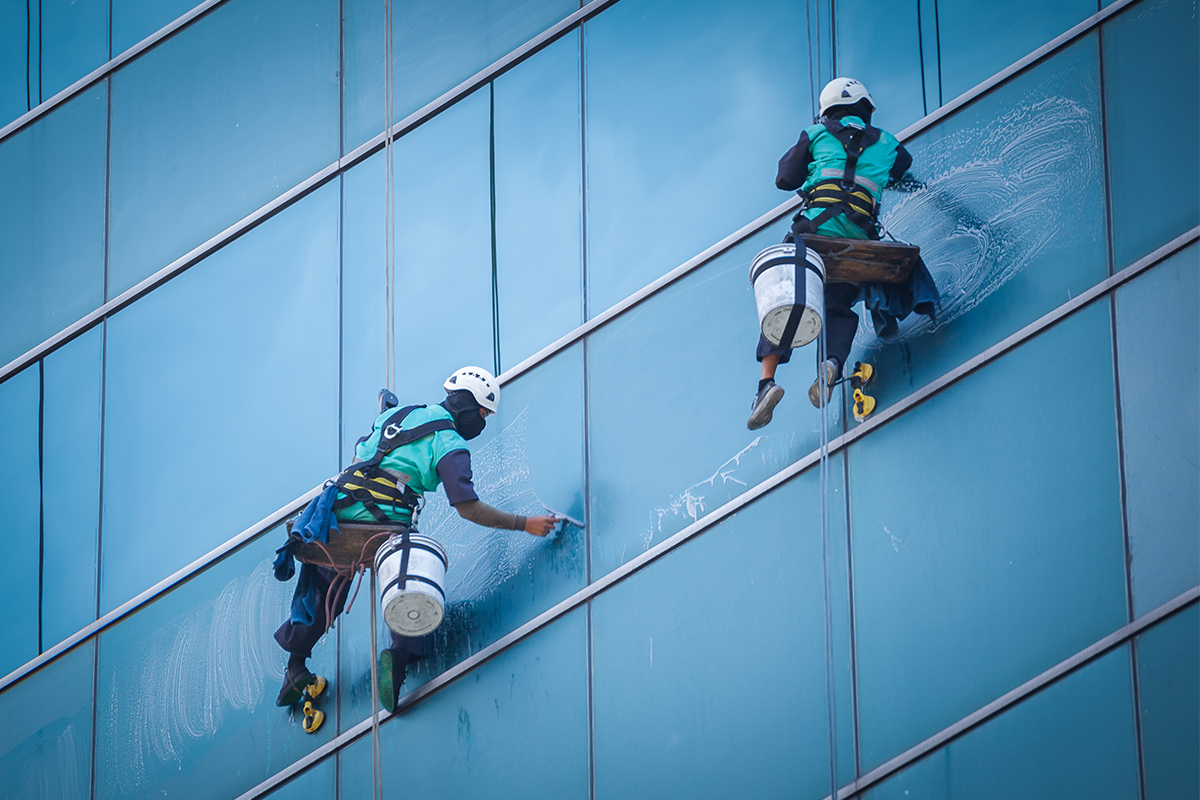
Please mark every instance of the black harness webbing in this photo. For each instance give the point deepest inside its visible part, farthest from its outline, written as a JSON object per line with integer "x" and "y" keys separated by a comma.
{"x": 367, "y": 483}
{"x": 845, "y": 196}
{"x": 402, "y": 576}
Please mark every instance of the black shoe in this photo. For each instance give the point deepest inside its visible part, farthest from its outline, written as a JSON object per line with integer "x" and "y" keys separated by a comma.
{"x": 832, "y": 373}
{"x": 295, "y": 681}
{"x": 391, "y": 677}
{"x": 764, "y": 404}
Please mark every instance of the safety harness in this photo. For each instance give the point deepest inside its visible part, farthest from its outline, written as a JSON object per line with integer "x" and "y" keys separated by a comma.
{"x": 372, "y": 485}
{"x": 845, "y": 194}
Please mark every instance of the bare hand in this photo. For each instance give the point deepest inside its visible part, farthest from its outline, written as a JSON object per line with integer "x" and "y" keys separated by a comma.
{"x": 540, "y": 526}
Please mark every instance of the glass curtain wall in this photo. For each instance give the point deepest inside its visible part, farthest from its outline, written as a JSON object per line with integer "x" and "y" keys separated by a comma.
{"x": 999, "y": 527}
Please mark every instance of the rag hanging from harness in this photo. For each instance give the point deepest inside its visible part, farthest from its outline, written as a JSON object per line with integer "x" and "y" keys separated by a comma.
{"x": 844, "y": 193}
{"x": 372, "y": 485}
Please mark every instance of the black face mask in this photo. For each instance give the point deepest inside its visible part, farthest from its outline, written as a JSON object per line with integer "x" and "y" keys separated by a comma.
{"x": 465, "y": 412}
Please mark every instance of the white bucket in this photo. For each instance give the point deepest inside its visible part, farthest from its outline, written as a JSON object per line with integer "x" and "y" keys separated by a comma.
{"x": 773, "y": 275}
{"x": 411, "y": 570}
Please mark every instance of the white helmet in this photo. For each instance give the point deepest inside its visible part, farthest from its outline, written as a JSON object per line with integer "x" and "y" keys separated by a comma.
{"x": 843, "y": 92}
{"x": 479, "y": 382}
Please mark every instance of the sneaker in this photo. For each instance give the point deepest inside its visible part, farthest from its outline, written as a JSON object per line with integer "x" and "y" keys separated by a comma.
{"x": 764, "y": 405}
{"x": 832, "y": 373}
{"x": 295, "y": 681}
{"x": 391, "y": 678}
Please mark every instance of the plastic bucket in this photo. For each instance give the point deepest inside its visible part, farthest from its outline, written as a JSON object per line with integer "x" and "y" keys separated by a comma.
{"x": 411, "y": 569}
{"x": 773, "y": 276}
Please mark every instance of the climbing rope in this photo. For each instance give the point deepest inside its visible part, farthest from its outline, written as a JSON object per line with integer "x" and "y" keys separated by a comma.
{"x": 389, "y": 206}
{"x": 376, "y": 771}
{"x": 826, "y": 550}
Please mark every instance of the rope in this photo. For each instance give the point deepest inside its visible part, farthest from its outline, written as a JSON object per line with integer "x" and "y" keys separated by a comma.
{"x": 389, "y": 206}
{"x": 377, "y": 773}
{"x": 825, "y": 555}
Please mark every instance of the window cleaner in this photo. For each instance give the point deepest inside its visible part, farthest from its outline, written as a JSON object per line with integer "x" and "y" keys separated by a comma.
{"x": 839, "y": 167}
{"x": 409, "y": 452}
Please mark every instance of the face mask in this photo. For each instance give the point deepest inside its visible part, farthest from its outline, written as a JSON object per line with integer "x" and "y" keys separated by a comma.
{"x": 465, "y": 412}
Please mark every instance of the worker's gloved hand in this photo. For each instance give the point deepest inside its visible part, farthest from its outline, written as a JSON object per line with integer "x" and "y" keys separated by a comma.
{"x": 540, "y": 526}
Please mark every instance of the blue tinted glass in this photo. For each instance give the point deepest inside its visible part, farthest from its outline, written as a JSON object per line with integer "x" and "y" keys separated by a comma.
{"x": 51, "y": 181}
{"x": 881, "y": 44}
{"x": 1152, "y": 61}
{"x": 437, "y": 44}
{"x": 1169, "y": 690}
{"x": 998, "y": 551}
{"x": 221, "y": 397}
{"x": 531, "y": 454}
{"x": 134, "y": 20}
{"x": 15, "y": 30}
{"x": 1158, "y": 348}
{"x": 20, "y": 397}
{"x": 74, "y": 41}
{"x": 315, "y": 784}
{"x": 212, "y": 123}
{"x": 689, "y": 107}
{"x": 539, "y": 207}
{"x": 478, "y": 736}
{"x": 1073, "y": 739}
{"x": 671, "y": 383}
{"x": 978, "y": 38}
{"x": 46, "y": 742}
{"x": 72, "y": 474}
{"x": 671, "y": 717}
{"x": 443, "y": 264}
{"x": 1010, "y": 218}
{"x": 190, "y": 682}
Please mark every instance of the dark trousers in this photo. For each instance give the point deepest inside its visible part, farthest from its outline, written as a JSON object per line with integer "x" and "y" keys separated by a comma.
{"x": 841, "y": 323}
{"x": 300, "y": 639}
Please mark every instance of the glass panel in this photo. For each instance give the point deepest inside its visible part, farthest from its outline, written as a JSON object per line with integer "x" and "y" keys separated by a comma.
{"x": 671, "y": 720}
{"x": 1158, "y": 348}
{"x": 216, "y": 121}
{"x": 437, "y": 44}
{"x": 1010, "y": 218}
{"x": 71, "y": 513}
{"x": 515, "y": 727}
{"x": 209, "y": 378}
{"x": 134, "y": 20}
{"x": 20, "y": 399}
{"x": 52, "y": 181}
{"x": 318, "y": 782}
{"x": 1073, "y": 739}
{"x": 74, "y": 41}
{"x": 988, "y": 542}
{"x": 1152, "y": 61}
{"x": 1168, "y": 658}
{"x": 530, "y": 453}
{"x": 539, "y": 191}
{"x": 190, "y": 681}
{"x": 671, "y": 384}
{"x": 881, "y": 44}
{"x": 15, "y": 31}
{"x": 688, "y": 112}
{"x": 46, "y": 741}
{"x": 443, "y": 264}
{"x": 978, "y": 38}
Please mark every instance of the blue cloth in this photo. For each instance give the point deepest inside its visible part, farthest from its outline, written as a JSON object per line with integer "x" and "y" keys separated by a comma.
{"x": 891, "y": 302}
{"x": 313, "y": 526}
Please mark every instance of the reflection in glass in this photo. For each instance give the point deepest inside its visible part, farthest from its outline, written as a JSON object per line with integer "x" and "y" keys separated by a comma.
{"x": 216, "y": 121}
{"x": 134, "y": 20}
{"x": 710, "y": 663}
{"x": 1009, "y": 213}
{"x": 74, "y": 41}
{"x": 539, "y": 194}
{"x": 20, "y": 398}
{"x": 46, "y": 739}
{"x": 689, "y": 107}
{"x": 1168, "y": 662}
{"x": 881, "y": 45}
{"x": 15, "y": 51}
{"x": 221, "y": 397}
{"x": 52, "y": 181}
{"x": 71, "y": 510}
{"x": 988, "y": 541}
{"x": 1073, "y": 739}
{"x": 1158, "y": 352}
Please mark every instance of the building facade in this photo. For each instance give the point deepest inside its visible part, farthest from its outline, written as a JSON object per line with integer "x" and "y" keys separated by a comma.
{"x": 224, "y": 227}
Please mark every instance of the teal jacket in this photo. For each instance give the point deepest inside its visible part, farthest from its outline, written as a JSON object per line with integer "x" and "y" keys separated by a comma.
{"x": 422, "y": 461}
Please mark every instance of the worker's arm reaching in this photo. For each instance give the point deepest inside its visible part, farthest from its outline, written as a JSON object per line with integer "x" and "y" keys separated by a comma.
{"x": 481, "y": 513}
